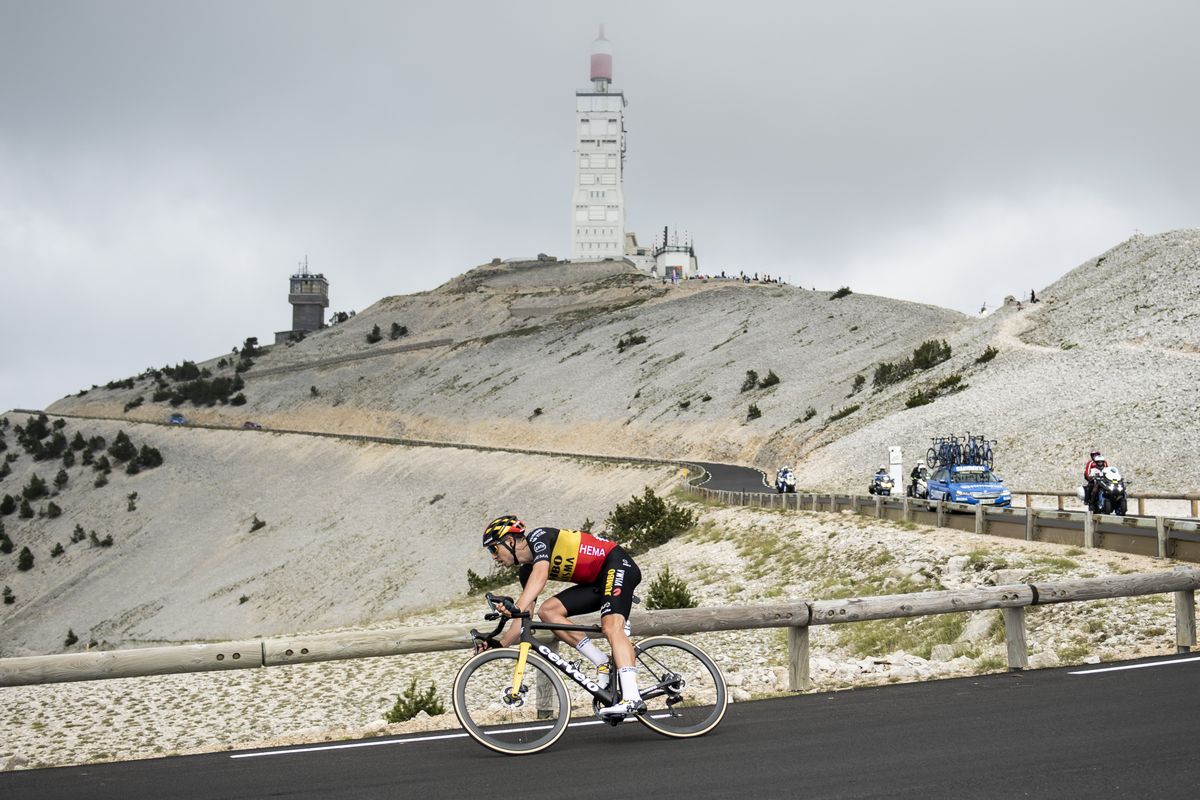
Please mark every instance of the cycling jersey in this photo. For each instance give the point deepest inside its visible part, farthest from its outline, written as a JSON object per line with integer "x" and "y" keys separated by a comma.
{"x": 574, "y": 556}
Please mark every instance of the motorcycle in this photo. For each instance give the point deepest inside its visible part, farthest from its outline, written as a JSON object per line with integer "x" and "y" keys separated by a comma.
{"x": 1108, "y": 494}
{"x": 881, "y": 484}
{"x": 785, "y": 481}
{"x": 918, "y": 488}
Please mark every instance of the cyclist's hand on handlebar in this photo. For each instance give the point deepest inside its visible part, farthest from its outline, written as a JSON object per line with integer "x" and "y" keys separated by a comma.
{"x": 486, "y": 644}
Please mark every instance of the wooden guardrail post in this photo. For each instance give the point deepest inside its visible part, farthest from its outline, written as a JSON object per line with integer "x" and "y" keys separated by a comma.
{"x": 1089, "y": 529}
{"x": 878, "y": 506}
{"x": 907, "y": 509}
{"x": 941, "y": 514}
{"x": 1014, "y": 638}
{"x": 1195, "y": 507}
{"x": 979, "y": 523}
{"x": 1060, "y": 502}
{"x": 832, "y": 502}
{"x": 1185, "y": 620}
{"x": 1141, "y": 506}
{"x": 798, "y": 674}
{"x": 814, "y": 501}
{"x": 1030, "y": 522}
{"x": 1160, "y": 527}
{"x": 1028, "y": 501}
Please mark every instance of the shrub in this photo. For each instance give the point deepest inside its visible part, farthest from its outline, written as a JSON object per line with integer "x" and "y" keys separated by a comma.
{"x": 857, "y": 386}
{"x": 78, "y": 535}
{"x": 132, "y": 498}
{"x": 25, "y": 560}
{"x": 840, "y": 293}
{"x": 250, "y": 348}
{"x": 312, "y": 390}
{"x": 930, "y": 354}
{"x": 238, "y": 399}
{"x": 256, "y": 524}
{"x": 53, "y": 511}
{"x": 629, "y": 340}
{"x": 5, "y": 470}
{"x": 648, "y": 521}
{"x": 753, "y": 412}
{"x": 103, "y": 466}
{"x": 98, "y": 542}
{"x": 243, "y": 365}
{"x": 78, "y": 442}
{"x": 8, "y": 505}
{"x": 35, "y": 488}
{"x": 667, "y": 591}
{"x": 9, "y": 597}
{"x": 68, "y": 460}
{"x": 375, "y": 335}
{"x": 122, "y": 448}
{"x": 809, "y": 413}
{"x": 987, "y": 356}
{"x": 770, "y": 380}
{"x": 58, "y": 550}
{"x": 888, "y": 373}
{"x": 751, "y": 380}
{"x": 917, "y": 398}
{"x": 132, "y": 467}
{"x": 71, "y": 638}
{"x": 149, "y": 457}
{"x": 412, "y": 702}
{"x": 132, "y": 404}
{"x": 845, "y": 412}
{"x": 6, "y": 545}
{"x": 398, "y": 330}
{"x": 683, "y": 404}
{"x": 25, "y": 511}
{"x": 481, "y": 583}
{"x": 101, "y": 481}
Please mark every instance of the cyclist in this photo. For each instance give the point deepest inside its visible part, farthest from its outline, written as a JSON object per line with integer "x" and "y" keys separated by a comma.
{"x": 604, "y": 576}
{"x": 1094, "y": 467}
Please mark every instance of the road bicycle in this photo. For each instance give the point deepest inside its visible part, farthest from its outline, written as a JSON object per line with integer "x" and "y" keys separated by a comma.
{"x": 513, "y": 700}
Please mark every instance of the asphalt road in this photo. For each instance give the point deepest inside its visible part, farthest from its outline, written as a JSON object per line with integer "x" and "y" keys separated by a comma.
{"x": 1127, "y": 730}
{"x": 730, "y": 478}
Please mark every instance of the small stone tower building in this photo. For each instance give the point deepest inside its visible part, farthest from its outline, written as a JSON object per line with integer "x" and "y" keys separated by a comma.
{"x": 309, "y": 295}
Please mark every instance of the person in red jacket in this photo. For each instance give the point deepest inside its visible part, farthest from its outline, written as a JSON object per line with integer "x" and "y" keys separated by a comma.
{"x": 1094, "y": 467}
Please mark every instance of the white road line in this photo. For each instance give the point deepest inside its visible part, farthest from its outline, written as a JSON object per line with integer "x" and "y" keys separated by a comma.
{"x": 350, "y": 745}
{"x": 1135, "y": 666}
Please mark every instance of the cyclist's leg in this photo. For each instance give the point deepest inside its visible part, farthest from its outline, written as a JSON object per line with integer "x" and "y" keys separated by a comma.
{"x": 559, "y": 608}
{"x": 619, "y": 577}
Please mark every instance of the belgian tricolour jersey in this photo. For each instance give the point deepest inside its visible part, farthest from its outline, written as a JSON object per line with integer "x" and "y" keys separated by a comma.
{"x": 574, "y": 556}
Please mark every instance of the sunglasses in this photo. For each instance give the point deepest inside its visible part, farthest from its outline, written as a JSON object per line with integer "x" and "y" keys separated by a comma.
{"x": 492, "y": 548}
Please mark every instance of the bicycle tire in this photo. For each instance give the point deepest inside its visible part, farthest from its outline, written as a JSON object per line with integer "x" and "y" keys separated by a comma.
{"x": 514, "y": 729}
{"x": 686, "y": 711}
{"x": 931, "y": 457}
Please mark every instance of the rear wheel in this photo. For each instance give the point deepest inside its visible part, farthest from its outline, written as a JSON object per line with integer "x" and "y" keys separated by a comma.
{"x": 682, "y": 687}
{"x": 531, "y": 721}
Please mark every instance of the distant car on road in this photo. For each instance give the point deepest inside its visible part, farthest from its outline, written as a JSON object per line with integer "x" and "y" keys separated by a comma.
{"x": 969, "y": 483}
{"x": 177, "y": 419}
{"x": 253, "y": 426}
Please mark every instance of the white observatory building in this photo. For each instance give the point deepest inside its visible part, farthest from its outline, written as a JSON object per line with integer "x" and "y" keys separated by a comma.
{"x": 598, "y": 220}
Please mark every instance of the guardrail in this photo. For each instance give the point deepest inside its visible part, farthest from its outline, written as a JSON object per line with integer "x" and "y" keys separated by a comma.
{"x": 797, "y": 617}
{"x": 1161, "y": 537}
{"x": 1191, "y": 497}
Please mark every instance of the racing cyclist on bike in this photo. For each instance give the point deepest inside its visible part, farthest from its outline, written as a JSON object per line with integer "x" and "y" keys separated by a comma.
{"x": 604, "y": 576}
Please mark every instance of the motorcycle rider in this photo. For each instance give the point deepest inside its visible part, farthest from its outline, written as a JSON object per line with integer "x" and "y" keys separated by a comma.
{"x": 1094, "y": 467}
{"x": 919, "y": 473}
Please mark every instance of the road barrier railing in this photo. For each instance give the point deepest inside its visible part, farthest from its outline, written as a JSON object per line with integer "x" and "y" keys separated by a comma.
{"x": 1192, "y": 498}
{"x": 1160, "y": 536}
{"x": 797, "y": 616}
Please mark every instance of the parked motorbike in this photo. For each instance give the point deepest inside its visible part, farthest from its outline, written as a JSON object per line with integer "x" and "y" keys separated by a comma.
{"x": 882, "y": 484}
{"x": 785, "y": 480}
{"x": 1108, "y": 495}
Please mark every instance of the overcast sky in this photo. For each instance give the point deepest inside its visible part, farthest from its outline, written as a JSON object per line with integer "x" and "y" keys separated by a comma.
{"x": 164, "y": 166}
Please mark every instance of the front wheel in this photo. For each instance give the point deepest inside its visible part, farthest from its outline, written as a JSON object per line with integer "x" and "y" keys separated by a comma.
{"x": 530, "y": 721}
{"x": 682, "y": 687}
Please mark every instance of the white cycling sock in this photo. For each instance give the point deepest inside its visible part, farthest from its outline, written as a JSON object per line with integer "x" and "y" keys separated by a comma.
{"x": 629, "y": 687}
{"x": 589, "y": 650}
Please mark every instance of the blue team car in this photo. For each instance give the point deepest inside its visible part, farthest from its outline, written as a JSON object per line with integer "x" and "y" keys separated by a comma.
{"x": 969, "y": 483}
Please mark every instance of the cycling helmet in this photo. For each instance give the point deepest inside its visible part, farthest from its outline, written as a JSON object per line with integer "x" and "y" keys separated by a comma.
{"x": 500, "y": 527}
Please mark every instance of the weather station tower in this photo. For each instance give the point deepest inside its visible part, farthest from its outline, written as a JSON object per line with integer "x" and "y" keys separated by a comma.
{"x": 308, "y": 294}
{"x": 598, "y": 213}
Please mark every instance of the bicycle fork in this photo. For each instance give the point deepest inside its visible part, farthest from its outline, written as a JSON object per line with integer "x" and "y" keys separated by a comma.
{"x": 519, "y": 672}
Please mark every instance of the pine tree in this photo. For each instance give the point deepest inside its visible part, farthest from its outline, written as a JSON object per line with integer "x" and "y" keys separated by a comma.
{"x": 25, "y": 560}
